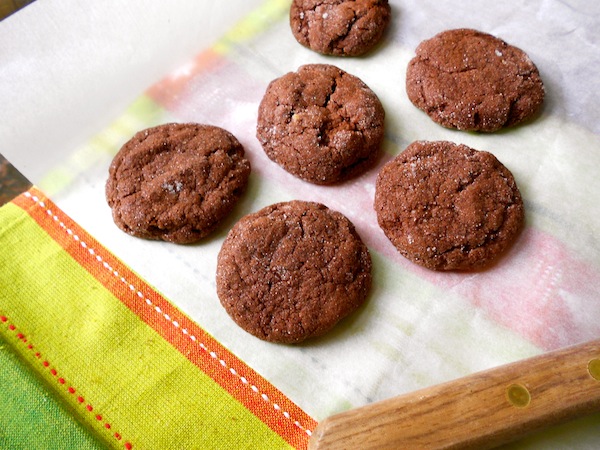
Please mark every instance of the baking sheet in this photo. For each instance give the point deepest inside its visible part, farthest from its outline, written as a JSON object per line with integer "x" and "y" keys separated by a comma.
{"x": 68, "y": 113}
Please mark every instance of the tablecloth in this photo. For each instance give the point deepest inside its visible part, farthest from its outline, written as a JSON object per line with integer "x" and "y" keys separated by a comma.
{"x": 116, "y": 354}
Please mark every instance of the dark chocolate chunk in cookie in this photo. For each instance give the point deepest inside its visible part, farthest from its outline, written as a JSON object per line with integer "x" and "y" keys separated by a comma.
{"x": 447, "y": 206}
{"x": 292, "y": 270}
{"x": 469, "y": 80}
{"x": 321, "y": 124}
{"x": 339, "y": 27}
{"x": 176, "y": 182}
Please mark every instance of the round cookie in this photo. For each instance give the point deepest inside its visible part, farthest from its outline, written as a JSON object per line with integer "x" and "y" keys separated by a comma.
{"x": 321, "y": 124}
{"x": 447, "y": 206}
{"x": 292, "y": 270}
{"x": 339, "y": 27}
{"x": 469, "y": 80}
{"x": 176, "y": 182}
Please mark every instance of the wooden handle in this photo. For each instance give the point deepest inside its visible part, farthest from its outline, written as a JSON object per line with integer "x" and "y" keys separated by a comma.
{"x": 483, "y": 410}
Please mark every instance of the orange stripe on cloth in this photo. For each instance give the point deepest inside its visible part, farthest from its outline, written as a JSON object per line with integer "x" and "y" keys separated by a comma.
{"x": 260, "y": 397}
{"x": 168, "y": 91}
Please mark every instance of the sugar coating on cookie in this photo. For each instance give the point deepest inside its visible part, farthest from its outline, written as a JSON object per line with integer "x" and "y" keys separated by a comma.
{"x": 176, "y": 182}
{"x": 447, "y": 206}
{"x": 292, "y": 271}
{"x": 321, "y": 124}
{"x": 469, "y": 80}
{"x": 339, "y": 27}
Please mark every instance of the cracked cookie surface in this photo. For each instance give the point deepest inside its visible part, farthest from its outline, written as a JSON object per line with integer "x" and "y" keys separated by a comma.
{"x": 292, "y": 270}
{"x": 447, "y": 206}
{"x": 176, "y": 182}
{"x": 339, "y": 27}
{"x": 473, "y": 81}
{"x": 321, "y": 124}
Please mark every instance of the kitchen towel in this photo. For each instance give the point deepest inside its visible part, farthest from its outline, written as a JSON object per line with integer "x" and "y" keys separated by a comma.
{"x": 120, "y": 357}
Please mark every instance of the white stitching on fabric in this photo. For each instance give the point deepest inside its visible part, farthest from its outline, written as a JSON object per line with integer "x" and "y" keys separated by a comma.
{"x": 140, "y": 294}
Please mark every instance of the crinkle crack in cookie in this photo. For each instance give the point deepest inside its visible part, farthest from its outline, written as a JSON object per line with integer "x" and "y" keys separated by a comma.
{"x": 447, "y": 206}
{"x": 176, "y": 182}
{"x": 292, "y": 270}
{"x": 339, "y": 27}
{"x": 321, "y": 124}
{"x": 469, "y": 80}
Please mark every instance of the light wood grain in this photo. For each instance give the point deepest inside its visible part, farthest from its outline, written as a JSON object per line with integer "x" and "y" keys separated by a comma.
{"x": 475, "y": 411}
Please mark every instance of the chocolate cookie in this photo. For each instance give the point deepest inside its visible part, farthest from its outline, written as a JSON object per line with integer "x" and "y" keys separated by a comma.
{"x": 321, "y": 124}
{"x": 176, "y": 182}
{"x": 339, "y": 27}
{"x": 447, "y": 206}
{"x": 292, "y": 270}
{"x": 469, "y": 80}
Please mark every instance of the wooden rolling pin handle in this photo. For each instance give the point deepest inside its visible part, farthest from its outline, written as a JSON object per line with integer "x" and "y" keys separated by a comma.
{"x": 480, "y": 411}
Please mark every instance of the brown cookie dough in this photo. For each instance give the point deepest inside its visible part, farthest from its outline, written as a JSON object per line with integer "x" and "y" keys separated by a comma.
{"x": 176, "y": 182}
{"x": 321, "y": 124}
{"x": 447, "y": 206}
{"x": 469, "y": 80}
{"x": 292, "y": 270}
{"x": 339, "y": 27}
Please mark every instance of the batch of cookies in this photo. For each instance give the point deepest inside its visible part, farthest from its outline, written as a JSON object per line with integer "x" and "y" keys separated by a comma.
{"x": 292, "y": 270}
